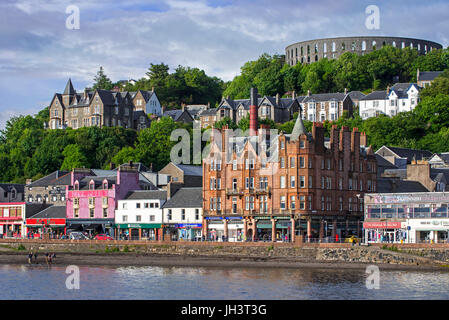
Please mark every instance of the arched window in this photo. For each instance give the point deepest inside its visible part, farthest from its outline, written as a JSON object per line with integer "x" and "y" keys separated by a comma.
{"x": 302, "y": 60}
{"x": 334, "y": 47}
{"x": 353, "y": 46}
{"x": 316, "y": 48}
{"x": 374, "y": 44}
{"x": 105, "y": 185}
{"x": 325, "y": 47}
{"x": 363, "y": 45}
{"x": 316, "y": 57}
{"x": 425, "y": 48}
{"x": 403, "y": 45}
{"x": 302, "y": 51}
{"x": 411, "y": 45}
{"x": 308, "y": 49}
{"x": 308, "y": 59}
{"x": 343, "y": 46}
{"x": 296, "y": 51}
{"x": 393, "y": 44}
{"x": 419, "y": 47}
{"x": 384, "y": 44}
{"x": 91, "y": 185}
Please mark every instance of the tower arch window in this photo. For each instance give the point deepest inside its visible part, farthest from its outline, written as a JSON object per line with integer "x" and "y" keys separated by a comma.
{"x": 325, "y": 47}
{"x": 374, "y": 44}
{"x": 363, "y": 45}
{"x": 393, "y": 44}
{"x": 334, "y": 47}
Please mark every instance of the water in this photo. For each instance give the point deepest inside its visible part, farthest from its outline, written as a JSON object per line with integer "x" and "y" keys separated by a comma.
{"x": 181, "y": 283}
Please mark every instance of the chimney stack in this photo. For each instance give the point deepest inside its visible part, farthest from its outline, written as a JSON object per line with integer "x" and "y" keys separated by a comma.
{"x": 308, "y": 93}
{"x": 293, "y": 95}
{"x": 183, "y": 106}
{"x": 208, "y": 105}
{"x": 278, "y": 98}
{"x": 346, "y": 91}
{"x": 253, "y": 113}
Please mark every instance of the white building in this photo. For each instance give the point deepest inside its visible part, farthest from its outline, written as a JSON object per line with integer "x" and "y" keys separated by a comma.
{"x": 183, "y": 214}
{"x": 406, "y": 217}
{"x": 140, "y": 214}
{"x": 399, "y": 98}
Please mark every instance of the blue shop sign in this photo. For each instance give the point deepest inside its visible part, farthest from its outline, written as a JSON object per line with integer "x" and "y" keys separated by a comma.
{"x": 191, "y": 225}
{"x": 213, "y": 218}
{"x": 233, "y": 218}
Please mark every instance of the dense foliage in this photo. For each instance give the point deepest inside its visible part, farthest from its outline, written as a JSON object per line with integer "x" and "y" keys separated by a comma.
{"x": 29, "y": 151}
{"x": 373, "y": 71}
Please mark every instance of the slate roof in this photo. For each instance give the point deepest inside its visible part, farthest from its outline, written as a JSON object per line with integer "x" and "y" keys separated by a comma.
{"x": 382, "y": 162}
{"x": 190, "y": 170}
{"x": 208, "y": 112}
{"x": 146, "y": 195}
{"x": 428, "y": 75}
{"x": 54, "y": 212}
{"x": 385, "y": 185}
{"x": 284, "y": 103}
{"x": 60, "y": 178}
{"x": 443, "y": 156}
{"x": 20, "y": 188}
{"x": 69, "y": 88}
{"x": 186, "y": 198}
{"x": 411, "y": 154}
{"x": 175, "y": 114}
{"x": 401, "y": 89}
{"x": 376, "y": 95}
{"x": 319, "y": 97}
{"x": 356, "y": 95}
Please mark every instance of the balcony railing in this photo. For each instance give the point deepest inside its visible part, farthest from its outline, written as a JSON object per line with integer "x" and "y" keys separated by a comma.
{"x": 234, "y": 192}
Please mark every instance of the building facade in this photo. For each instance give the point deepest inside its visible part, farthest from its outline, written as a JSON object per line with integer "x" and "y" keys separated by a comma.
{"x": 314, "y": 187}
{"x": 406, "y": 217}
{"x": 92, "y": 200}
{"x": 139, "y": 215}
{"x": 325, "y": 106}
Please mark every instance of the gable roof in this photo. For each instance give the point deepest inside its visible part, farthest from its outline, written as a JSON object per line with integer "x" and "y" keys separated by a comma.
{"x": 190, "y": 170}
{"x": 146, "y": 195}
{"x": 428, "y": 75}
{"x": 385, "y": 185}
{"x": 376, "y": 95}
{"x": 176, "y": 114}
{"x": 55, "y": 212}
{"x": 410, "y": 154}
{"x": 57, "y": 178}
{"x": 321, "y": 97}
{"x": 186, "y": 198}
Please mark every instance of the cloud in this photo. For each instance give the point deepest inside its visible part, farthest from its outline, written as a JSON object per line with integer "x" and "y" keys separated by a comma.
{"x": 218, "y": 36}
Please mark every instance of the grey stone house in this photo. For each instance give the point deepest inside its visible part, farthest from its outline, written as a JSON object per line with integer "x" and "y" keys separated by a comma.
{"x": 12, "y": 192}
{"x": 325, "y": 106}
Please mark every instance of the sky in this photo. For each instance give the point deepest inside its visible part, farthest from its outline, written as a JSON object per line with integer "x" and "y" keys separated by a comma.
{"x": 38, "y": 53}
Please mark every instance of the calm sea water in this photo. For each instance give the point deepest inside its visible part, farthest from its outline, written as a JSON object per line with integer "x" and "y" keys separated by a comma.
{"x": 175, "y": 283}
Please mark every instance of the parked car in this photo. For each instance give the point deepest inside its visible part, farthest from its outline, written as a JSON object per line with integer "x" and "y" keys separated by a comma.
{"x": 352, "y": 239}
{"x": 103, "y": 237}
{"x": 77, "y": 236}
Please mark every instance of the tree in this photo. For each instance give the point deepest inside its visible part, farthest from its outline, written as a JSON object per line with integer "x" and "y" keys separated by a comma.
{"x": 73, "y": 158}
{"x": 225, "y": 121}
{"x": 101, "y": 81}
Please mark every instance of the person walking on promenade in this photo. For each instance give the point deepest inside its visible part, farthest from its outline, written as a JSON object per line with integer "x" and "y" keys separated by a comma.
{"x": 47, "y": 258}
{"x": 30, "y": 257}
{"x": 35, "y": 257}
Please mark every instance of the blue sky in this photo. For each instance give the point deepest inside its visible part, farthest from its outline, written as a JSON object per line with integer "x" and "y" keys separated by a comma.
{"x": 38, "y": 53}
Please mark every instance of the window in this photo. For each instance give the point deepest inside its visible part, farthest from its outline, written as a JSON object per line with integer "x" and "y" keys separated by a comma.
{"x": 302, "y": 181}
{"x": 292, "y": 202}
{"x": 138, "y": 205}
{"x": 234, "y": 164}
{"x": 292, "y": 182}
{"x": 183, "y": 214}
{"x": 350, "y": 204}
{"x": 105, "y": 212}
{"x": 282, "y": 181}
{"x": 282, "y": 163}
{"x": 282, "y": 202}
{"x": 310, "y": 182}
{"x": 125, "y": 218}
{"x": 350, "y": 184}
{"x": 322, "y": 183}
{"x": 105, "y": 201}
{"x": 292, "y": 162}
{"x": 152, "y": 218}
{"x": 322, "y": 203}
{"x": 340, "y": 199}
{"x": 301, "y": 144}
{"x": 197, "y": 214}
{"x": 282, "y": 144}
{"x": 76, "y": 212}
{"x": 302, "y": 163}
{"x": 146, "y": 205}
{"x": 125, "y": 206}
{"x": 91, "y": 212}
{"x": 340, "y": 183}
{"x": 169, "y": 214}
{"x": 309, "y": 199}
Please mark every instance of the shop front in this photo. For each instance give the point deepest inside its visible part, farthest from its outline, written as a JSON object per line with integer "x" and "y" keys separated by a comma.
{"x": 215, "y": 228}
{"x": 38, "y": 228}
{"x": 92, "y": 226}
{"x": 189, "y": 231}
{"x": 385, "y": 231}
{"x": 428, "y": 230}
{"x": 263, "y": 229}
{"x": 139, "y": 231}
{"x": 235, "y": 229}
{"x": 11, "y": 221}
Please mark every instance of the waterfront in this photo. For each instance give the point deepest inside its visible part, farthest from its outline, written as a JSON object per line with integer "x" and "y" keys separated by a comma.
{"x": 186, "y": 283}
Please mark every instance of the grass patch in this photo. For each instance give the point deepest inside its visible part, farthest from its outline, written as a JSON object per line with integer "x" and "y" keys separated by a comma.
{"x": 21, "y": 247}
{"x": 270, "y": 248}
{"x": 126, "y": 249}
{"x": 392, "y": 248}
{"x": 219, "y": 247}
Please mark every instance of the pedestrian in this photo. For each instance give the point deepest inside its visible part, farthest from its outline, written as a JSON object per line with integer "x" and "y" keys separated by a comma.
{"x": 47, "y": 258}
{"x": 35, "y": 257}
{"x": 30, "y": 257}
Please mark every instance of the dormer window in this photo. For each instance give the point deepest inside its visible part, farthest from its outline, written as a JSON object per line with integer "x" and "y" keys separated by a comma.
{"x": 77, "y": 185}
{"x": 105, "y": 185}
{"x": 91, "y": 185}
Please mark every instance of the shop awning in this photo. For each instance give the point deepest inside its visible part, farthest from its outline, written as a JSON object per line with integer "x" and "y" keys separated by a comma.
{"x": 139, "y": 225}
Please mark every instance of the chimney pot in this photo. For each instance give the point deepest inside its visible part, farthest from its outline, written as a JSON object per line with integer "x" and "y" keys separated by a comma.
{"x": 308, "y": 92}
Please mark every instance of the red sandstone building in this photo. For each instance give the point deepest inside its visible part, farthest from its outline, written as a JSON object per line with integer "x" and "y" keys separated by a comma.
{"x": 314, "y": 187}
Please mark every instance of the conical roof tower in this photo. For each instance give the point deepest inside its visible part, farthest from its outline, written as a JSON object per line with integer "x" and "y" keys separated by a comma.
{"x": 69, "y": 88}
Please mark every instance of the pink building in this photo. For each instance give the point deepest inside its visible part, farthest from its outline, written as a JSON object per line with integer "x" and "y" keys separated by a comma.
{"x": 92, "y": 200}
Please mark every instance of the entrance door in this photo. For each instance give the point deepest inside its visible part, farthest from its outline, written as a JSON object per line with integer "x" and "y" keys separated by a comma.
{"x": 135, "y": 234}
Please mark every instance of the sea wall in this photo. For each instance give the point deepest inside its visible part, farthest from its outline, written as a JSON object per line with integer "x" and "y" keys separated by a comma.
{"x": 242, "y": 251}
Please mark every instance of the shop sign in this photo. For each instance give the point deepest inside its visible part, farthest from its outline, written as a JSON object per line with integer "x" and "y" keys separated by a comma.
{"x": 233, "y": 218}
{"x": 189, "y": 225}
{"x": 382, "y": 225}
{"x": 45, "y": 221}
{"x": 213, "y": 218}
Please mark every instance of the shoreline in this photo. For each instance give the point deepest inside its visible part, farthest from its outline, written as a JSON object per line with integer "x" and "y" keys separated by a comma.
{"x": 167, "y": 260}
